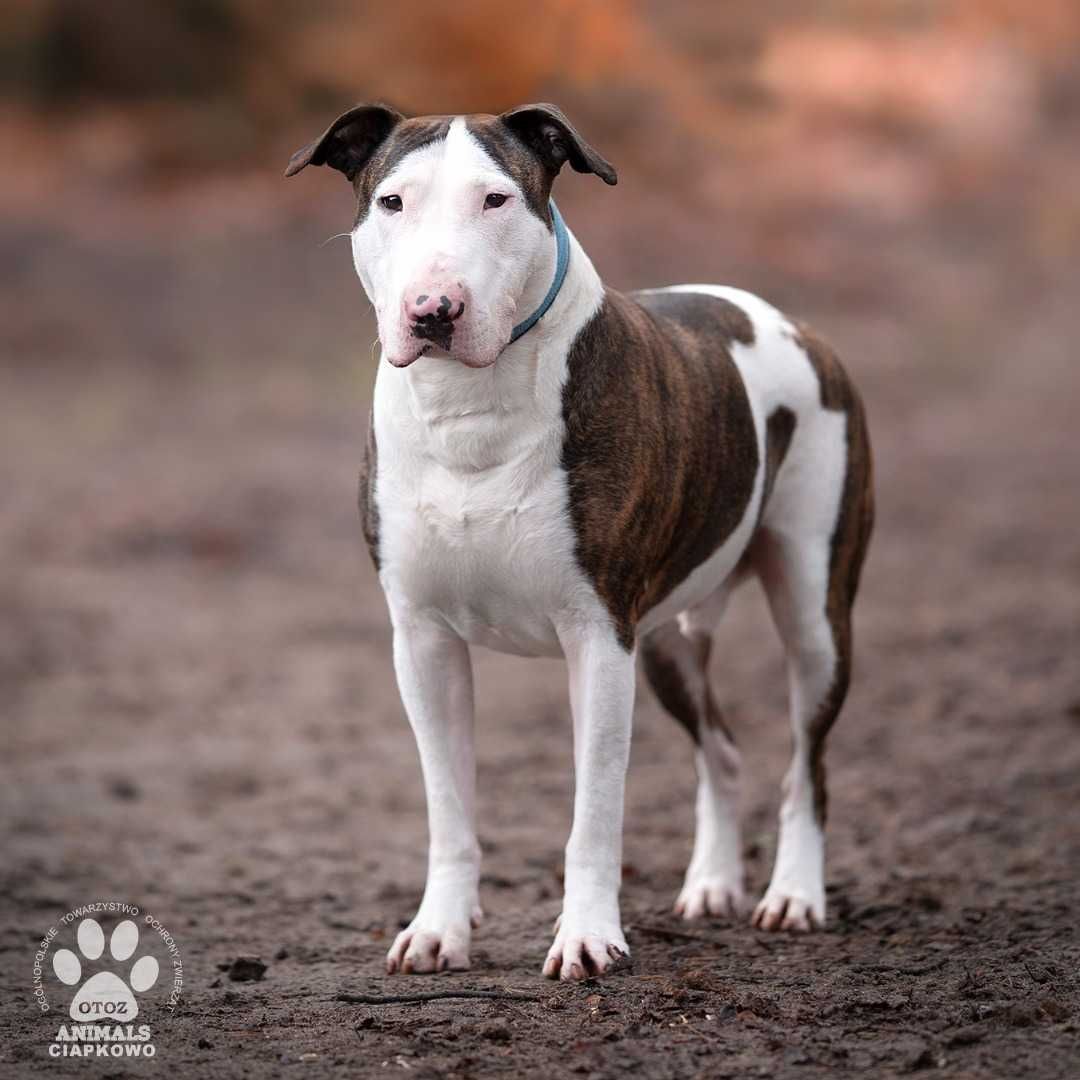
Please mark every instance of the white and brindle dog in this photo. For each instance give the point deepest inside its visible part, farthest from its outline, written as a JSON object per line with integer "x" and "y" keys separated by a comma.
{"x": 557, "y": 469}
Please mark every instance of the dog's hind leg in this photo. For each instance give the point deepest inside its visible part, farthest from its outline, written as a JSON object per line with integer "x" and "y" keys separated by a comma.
{"x": 676, "y": 660}
{"x": 793, "y": 575}
{"x": 809, "y": 566}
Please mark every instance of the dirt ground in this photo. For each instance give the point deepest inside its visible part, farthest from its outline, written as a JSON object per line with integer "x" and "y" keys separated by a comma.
{"x": 199, "y": 714}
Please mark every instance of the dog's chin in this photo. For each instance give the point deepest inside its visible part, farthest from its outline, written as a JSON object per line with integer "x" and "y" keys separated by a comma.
{"x": 403, "y": 360}
{"x": 475, "y": 361}
{"x": 467, "y": 358}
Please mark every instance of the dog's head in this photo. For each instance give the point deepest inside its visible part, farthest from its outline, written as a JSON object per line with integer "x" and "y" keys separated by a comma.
{"x": 452, "y": 219}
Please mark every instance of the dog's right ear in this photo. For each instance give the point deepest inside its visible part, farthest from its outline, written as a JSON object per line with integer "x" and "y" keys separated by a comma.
{"x": 348, "y": 143}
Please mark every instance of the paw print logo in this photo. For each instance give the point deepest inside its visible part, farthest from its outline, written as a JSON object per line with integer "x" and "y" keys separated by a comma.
{"x": 105, "y": 995}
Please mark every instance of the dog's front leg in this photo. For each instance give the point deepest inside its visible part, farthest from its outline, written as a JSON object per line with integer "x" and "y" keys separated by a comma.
{"x": 434, "y": 676}
{"x": 588, "y": 935}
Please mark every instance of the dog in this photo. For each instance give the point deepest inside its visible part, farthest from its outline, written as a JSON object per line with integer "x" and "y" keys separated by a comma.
{"x": 557, "y": 469}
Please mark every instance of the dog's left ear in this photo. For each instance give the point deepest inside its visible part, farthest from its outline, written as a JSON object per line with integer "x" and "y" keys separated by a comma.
{"x": 547, "y": 132}
{"x": 348, "y": 143}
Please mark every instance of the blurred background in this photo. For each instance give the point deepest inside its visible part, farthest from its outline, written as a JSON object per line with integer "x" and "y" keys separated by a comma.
{"x": 194, "y": 654}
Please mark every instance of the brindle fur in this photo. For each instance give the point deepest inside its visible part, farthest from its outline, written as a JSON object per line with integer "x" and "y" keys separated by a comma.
{"x": 674, "y": 687}
{"x": 514, "y": 158}
{"x": 407, "y": 136}
{"x": 531, "y": 144}
{"x": 660, "y": 450}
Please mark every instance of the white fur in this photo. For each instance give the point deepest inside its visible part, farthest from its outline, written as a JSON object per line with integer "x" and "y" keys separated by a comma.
{"x": 477, "y": 546}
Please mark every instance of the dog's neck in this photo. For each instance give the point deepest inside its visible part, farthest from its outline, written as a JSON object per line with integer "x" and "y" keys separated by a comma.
{"x": 476, "y": 418}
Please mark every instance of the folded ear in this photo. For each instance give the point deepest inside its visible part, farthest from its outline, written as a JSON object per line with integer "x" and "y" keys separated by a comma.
{"x": 348, "y": 143}
{"x": 546, "y": 131}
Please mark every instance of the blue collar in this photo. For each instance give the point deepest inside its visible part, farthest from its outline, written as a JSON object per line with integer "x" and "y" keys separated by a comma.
{"x": 562, "y": 261}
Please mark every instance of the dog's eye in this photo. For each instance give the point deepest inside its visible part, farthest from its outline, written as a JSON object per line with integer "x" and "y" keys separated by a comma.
{"x": 391, "y": 203}
{"x": 494, "y": 201}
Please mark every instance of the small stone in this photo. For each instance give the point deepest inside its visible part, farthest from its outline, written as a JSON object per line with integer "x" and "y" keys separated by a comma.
{"x": 246, "y": 969}
{"x": 967, "y": 1036}
{"x": 495, "y": 1031}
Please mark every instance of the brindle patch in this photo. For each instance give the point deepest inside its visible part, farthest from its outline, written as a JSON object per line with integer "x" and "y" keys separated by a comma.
{"x": 530, "y": 144}
{"x": 779, "y": 430}
{"x": 660, "y": 448}
{"x": 837, "y": 391}
{"x": 665, "y": 654}
{"x": 408, "y": 136}
{"x": 369, "y": 508}
{"x": 848, "y": 544}
{"x": 702, "y": 313}
{"x": 670, "y": 684}
{"x": 515, "y": 159}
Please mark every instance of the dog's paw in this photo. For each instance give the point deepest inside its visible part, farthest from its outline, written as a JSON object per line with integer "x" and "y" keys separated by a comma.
{"x": 432, "y": 944}
{"x": 787, "y": 906}
{"x": 718, "y": 896}
{"x": 583, "y": 949}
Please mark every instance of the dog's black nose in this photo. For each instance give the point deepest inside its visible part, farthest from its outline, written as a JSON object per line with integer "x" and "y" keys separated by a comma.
{"x": 433, "y": 318}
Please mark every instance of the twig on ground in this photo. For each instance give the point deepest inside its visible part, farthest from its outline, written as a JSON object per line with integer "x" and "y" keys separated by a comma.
{"x": 433, "y": 995}
{"x": 673, "y": 935}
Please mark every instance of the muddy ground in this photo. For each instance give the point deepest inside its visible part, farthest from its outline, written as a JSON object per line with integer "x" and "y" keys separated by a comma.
{"x": 199, "y": 716}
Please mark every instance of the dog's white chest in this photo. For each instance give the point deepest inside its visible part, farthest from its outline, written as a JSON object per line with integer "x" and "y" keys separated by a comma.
{"x": 473, "y": 522}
